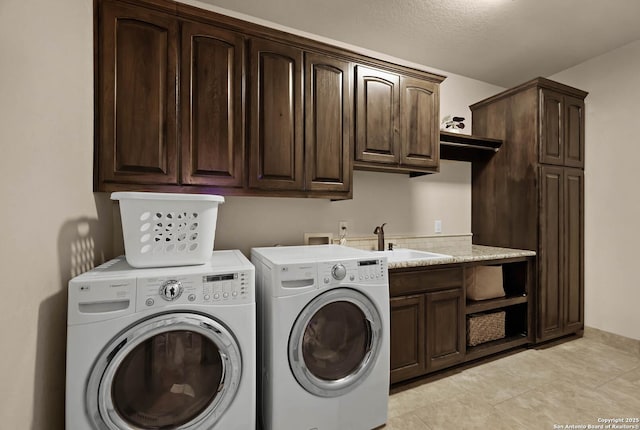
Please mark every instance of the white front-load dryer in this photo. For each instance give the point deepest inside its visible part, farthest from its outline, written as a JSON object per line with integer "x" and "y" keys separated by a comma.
{"x": 170, "y": 348}
{"x": 323, "y": 313}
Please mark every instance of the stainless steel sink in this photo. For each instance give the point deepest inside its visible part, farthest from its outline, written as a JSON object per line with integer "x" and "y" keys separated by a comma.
{"x": 403, "y": 254}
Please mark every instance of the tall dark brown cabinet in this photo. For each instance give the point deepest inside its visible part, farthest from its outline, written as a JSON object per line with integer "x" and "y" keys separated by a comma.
{"x": 530, "y": 194}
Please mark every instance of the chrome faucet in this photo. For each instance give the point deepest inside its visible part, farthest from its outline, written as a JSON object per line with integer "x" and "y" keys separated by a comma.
{"x": 379, "y": 230}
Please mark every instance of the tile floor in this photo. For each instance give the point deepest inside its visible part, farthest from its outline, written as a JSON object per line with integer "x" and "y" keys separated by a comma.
{"x": 572, "y": 383}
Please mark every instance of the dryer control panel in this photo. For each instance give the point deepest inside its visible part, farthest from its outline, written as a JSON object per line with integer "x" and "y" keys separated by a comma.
{"x": 208, "y": 289}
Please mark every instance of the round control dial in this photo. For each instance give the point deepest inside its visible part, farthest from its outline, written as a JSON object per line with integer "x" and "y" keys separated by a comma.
{"x": 171, "y": 290}
{"x": 338, "y": 272}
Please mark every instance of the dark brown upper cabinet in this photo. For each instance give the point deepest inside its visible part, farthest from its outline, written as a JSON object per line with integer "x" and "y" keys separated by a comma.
{"x": 138, "y": 57}
{"x": 328, "y": 123}
{"x": 396, "y": 122}
{"x": 191, "y": 101}
{"x": 562, "y": 129}
{"x": 276, "y": 122}
{"x": 212, "y": 106}
{"x": 378, "y": 115}
{"x": 281, "y": 156}
{"x": 419, "y": 126}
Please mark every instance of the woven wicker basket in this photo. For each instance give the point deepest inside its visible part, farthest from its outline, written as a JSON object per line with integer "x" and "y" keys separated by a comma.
{"x": 485, "y": 327}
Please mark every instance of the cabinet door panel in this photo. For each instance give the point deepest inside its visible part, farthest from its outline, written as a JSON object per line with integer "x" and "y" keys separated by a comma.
{"x": 377, "y": 113}
{"x": 138, "y": 60}
{"x": 551, "y": 128}
{"x": 276, "y": 159}
{"x": 419, "y": 130}
{"x": 574, "y": 249}
{"x": 328, "y": 139}
{"x": 212, "y": 132}
{"x": 407, "y": 337}
{"x": 445, "y": 328}
{"x": 574, "y": 132}
{"x": 550, "y": 259}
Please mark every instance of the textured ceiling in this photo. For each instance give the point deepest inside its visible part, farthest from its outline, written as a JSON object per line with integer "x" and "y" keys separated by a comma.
{"x": 503, "y": 42}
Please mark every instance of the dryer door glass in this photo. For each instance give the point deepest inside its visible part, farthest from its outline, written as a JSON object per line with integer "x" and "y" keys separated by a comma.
{"x": 167, "y": 380}
{"x": 335, "y": 342}
{"x": 178, "y": 371}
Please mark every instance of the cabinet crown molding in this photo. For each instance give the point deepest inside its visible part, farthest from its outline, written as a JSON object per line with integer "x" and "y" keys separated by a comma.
{"x": 538, "y": 82}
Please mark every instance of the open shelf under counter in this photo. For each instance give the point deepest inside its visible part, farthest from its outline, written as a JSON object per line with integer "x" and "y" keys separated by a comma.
{"x": 495, "y": 346}
{"x": 474, "y": 306}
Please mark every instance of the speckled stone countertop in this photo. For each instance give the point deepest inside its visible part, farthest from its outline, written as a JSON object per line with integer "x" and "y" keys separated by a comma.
{"x": 464, "y": 255}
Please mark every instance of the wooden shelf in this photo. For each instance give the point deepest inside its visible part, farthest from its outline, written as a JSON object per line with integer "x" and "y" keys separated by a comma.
{"x": 474, "y": 306}
{"x": 465, "y": 147}
{"x": 495, "y": 346}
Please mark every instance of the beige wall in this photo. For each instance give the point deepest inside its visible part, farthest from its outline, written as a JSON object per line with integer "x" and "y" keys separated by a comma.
{"x": 54, "y": 227}
{"x": 612, "y": 199}
{"x": 407, "y": 205}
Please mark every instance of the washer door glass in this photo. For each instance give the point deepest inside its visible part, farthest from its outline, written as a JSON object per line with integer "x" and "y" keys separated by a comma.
{"x": 167, "y": 380}
{"x": 335, "y": 342}
{"x": 176, "y": 371}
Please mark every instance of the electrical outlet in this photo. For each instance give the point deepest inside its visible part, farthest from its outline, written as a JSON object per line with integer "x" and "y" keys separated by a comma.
{"x": 438, "y": 226}
{"x": 343, "y": 227}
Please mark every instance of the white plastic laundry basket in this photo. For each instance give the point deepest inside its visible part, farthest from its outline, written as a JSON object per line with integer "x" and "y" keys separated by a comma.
{"x": 162, "y": 229}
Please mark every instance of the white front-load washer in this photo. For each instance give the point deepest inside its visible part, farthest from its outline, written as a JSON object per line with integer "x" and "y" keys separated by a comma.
{"x": 323, "y": 313}
{"x": 170, "y": 348}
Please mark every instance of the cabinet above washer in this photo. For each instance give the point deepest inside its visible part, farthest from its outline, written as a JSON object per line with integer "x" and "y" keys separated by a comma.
{"x": 226, "y": 106}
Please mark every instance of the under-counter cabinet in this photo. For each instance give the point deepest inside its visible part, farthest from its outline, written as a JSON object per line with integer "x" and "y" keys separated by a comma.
{"x": 427, "y": 320}
{"x": 397, "y": 121}
{"x": 530, "y": 194}
{"x": 430, "y": 311}
{"x": 407, "y": 337}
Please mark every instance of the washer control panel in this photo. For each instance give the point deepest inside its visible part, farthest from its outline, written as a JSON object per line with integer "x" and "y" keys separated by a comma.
{"x": 208, "y": 289}
{"x": 229, "y": 286}
{"x": 338, "y": 271}
{"x": 369, "y": 270}
{"x": 171, "y": 290}
{"x": 353, "y": 271}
